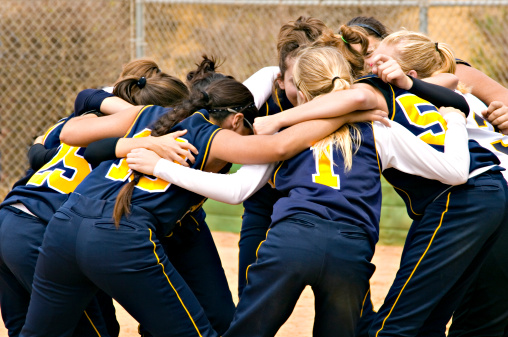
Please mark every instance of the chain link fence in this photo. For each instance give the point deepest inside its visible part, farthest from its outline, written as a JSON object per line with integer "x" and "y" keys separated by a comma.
{"x": 52, "y": 49}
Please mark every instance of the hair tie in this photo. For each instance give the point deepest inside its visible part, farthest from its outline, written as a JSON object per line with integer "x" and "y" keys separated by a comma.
{"x": 342, "y": 37}
{"x": 136, "y": 178}
{"x": 437, "y": 48}
{"x": 335, "y": 78}
{"x": 141, "y": 82}
{"x": 205, "y": 96}
{"x": 157, "y": 70}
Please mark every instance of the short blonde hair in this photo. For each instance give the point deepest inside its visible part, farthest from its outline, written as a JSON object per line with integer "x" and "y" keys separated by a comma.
{"x": 318, "y": 71}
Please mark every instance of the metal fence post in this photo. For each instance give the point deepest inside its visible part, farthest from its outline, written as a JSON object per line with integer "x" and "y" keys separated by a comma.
{"x": 140, "y": 29}
{"x": 424, "y": 16}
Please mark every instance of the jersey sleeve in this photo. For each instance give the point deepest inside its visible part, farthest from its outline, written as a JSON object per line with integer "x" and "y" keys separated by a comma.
{"x": 229, "y": 188}
{"x": 260, "y": 84}
{"x": 89, "y": 100}
{"x": 438, "y": 95}
{"x": 400, "y": 149}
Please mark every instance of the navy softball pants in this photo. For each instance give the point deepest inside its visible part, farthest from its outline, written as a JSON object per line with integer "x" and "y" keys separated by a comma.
{"x": 332, "y": 257}
{"x": 484, "y": 309}
{"x": 442, "y": 256}
{"x": 193, "y": 253}
{"x": 21, "y": 236}
{"x": 256, "y": 220}
{"x": 82, "y": 252}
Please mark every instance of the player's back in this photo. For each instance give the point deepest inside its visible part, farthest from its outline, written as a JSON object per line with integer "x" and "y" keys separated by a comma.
{"x": 320, "y": 186}
{"x": 166, "y": 202}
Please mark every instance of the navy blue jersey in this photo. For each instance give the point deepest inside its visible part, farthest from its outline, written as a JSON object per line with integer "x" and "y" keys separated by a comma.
{"x": 276, "y": 103}
{"x": 321, "y": 187}
{"x": 48, "y": 188}
{"x": 424, "y": 121}
{"x": 263, "y": 200}
{"x": 166, "y": 202}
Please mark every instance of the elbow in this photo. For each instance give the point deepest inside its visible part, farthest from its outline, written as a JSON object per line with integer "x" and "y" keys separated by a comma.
{"x": 67, "y": 136}
{"x": 365, "y": 100}
{"x": 459, "y": 177}
{"x": 284, "y": 151}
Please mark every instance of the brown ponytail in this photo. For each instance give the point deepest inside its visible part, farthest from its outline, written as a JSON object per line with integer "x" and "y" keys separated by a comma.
{"x": 295, "y": 35}
{"x": 343, "y": 42}
{"x": 210, "y": 90}
{"x": 123, "y": 200}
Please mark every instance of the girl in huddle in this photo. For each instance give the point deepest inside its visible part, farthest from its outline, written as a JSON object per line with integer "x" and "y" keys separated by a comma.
{"x": 27, "y": 209}
{"x": 484, "y": 310}
{"x": 325, "y": 227}
{"x": 293, "y": 36}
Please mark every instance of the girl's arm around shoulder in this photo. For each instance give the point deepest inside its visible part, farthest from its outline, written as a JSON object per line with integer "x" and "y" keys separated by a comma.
{"x": 229, "y": 188}
{"x": 399, "y": 148}
{"x": 81, "y": 131}
{"x": 482, "y": 86}
{"x": 331, "y": 105}
{"x": 230, "y": 147}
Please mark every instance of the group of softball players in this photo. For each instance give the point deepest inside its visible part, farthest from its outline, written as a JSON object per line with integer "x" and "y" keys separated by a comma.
{"x": 111, "y": 208}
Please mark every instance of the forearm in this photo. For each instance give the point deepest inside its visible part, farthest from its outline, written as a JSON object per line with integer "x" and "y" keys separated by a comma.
{"x": 126, "y": 145}
{"x": 446, "y": 80}
{"x": 81, "y": 131}
{"x": 334, "y": 104}
{"x": 229, "y": 188}
{"x": 231, "y": 147}
{"x": 483, "y": 87}
{"x": 112, "y": 105}
{"x": 38, "y": 155}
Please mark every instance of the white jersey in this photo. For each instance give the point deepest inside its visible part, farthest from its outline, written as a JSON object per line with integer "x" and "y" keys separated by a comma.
{"x": 484, "y": 133}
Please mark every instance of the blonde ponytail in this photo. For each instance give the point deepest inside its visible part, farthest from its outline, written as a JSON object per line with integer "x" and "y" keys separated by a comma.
{"x": 318, "y": 71}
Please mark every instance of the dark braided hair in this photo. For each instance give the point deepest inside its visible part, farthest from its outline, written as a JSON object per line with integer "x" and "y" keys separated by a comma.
{"x": 221, "y": 97}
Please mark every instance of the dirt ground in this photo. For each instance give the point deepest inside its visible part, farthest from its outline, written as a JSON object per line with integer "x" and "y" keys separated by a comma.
{"x": 299, "y": 324}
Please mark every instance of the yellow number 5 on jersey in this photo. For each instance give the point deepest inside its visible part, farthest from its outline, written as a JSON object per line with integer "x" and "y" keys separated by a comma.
{"x": 424, "y": 115}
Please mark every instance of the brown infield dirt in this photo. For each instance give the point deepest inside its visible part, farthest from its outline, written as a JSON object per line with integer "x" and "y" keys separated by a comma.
{"x": 299, "y": 324}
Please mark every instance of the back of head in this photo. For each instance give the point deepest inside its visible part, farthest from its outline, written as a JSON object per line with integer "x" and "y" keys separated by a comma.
{"x": 416, "y": 51}
{"x": 142, "y": 82}
{"x": 343, "y": 43}
{"x": 295, "y": 35}
{"x": 320, "y": 70}
{"x": 372, "y": 26}
{"x": 140, "y": 67}
{"x": 220, "y": 98}
{"x": 205, "y": 73}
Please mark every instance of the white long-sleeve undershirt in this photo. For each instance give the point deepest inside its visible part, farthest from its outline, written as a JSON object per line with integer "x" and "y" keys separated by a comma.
{"x": 396, "y": 146}
{"x": 260, "y": 84}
